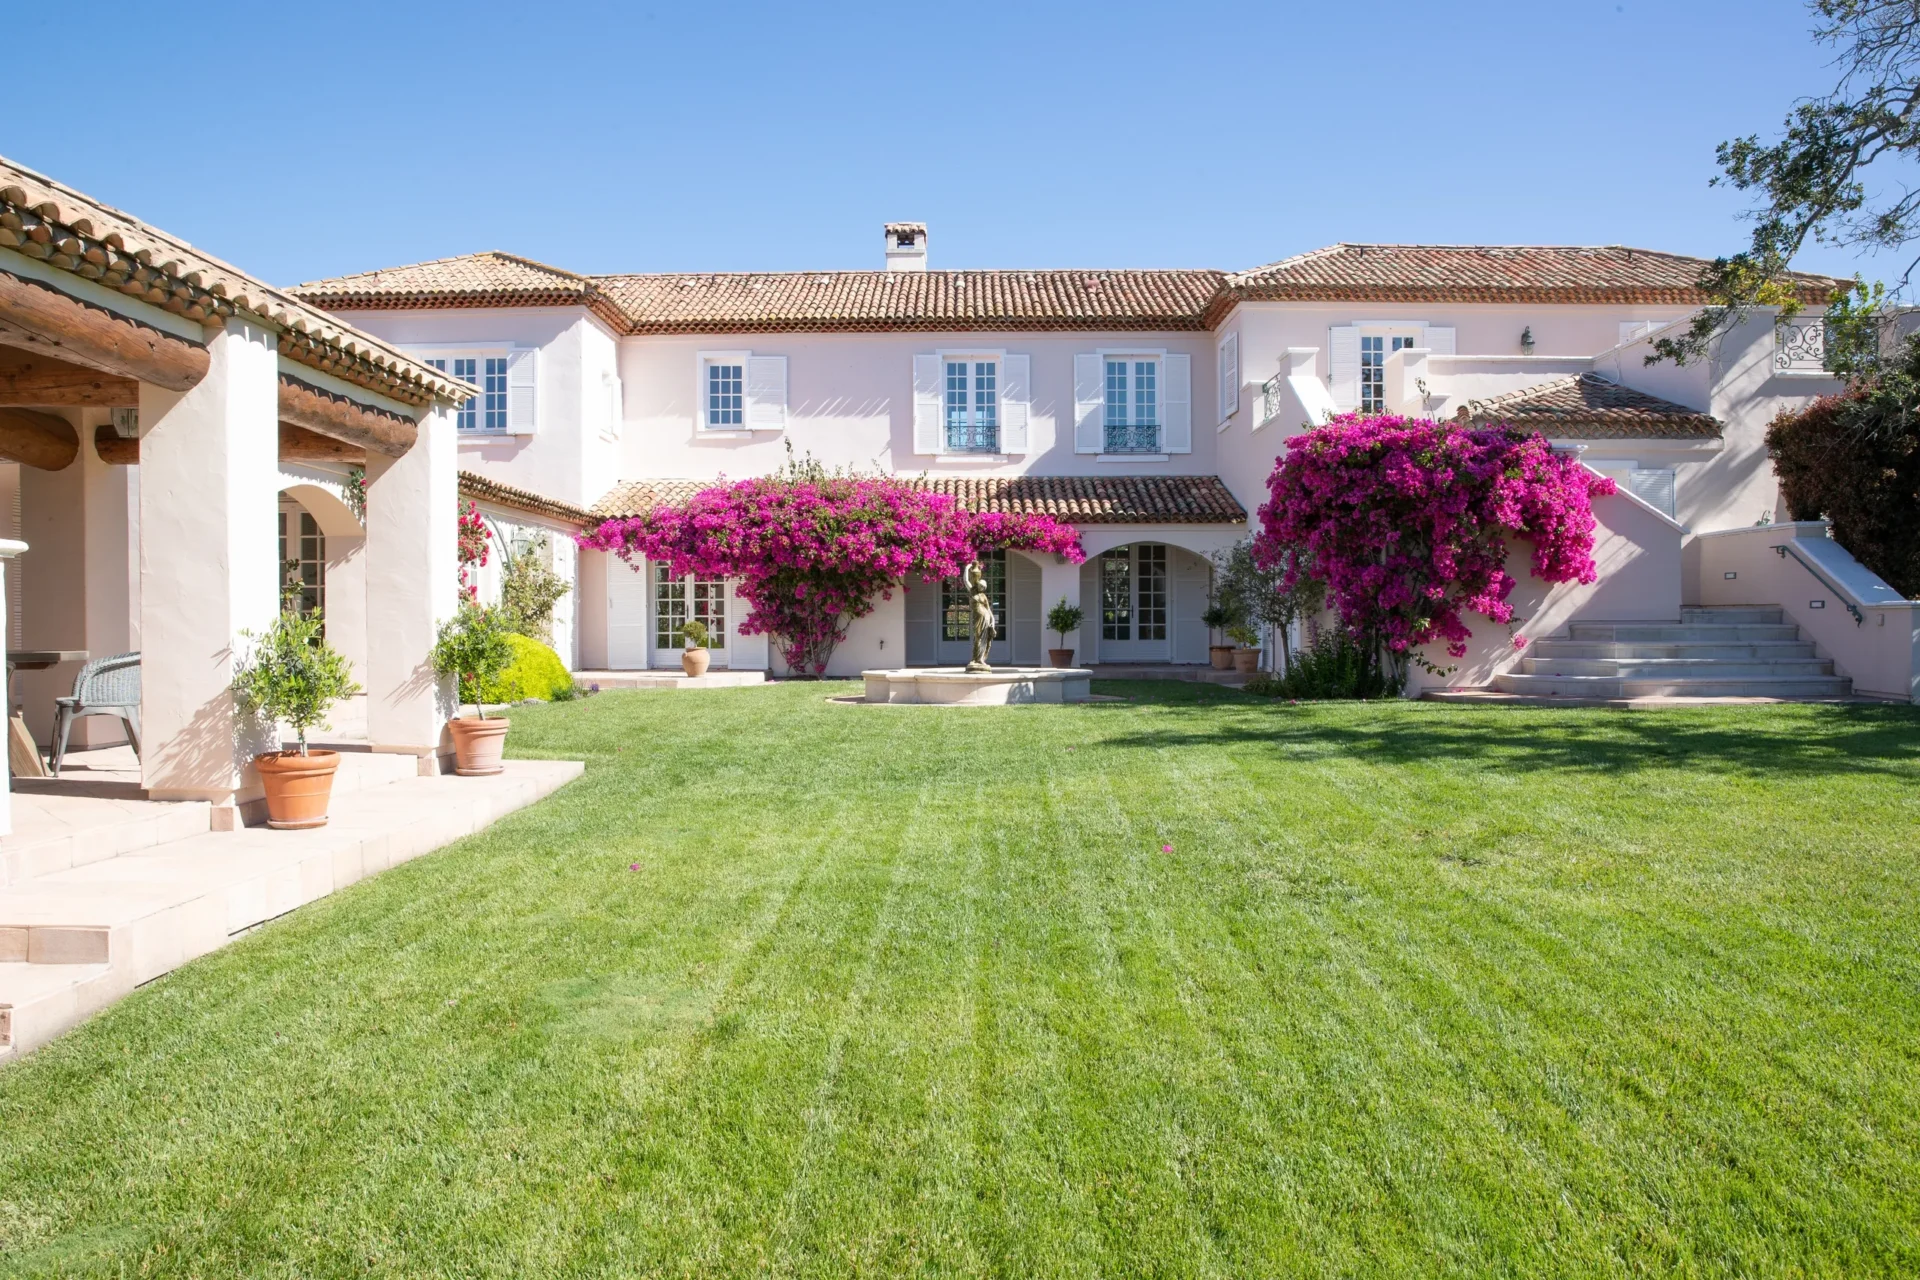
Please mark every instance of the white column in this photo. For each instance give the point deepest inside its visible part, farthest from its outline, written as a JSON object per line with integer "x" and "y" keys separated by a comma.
{"x": 9, "y": 549}
{"x": 412, "y": 586}
{"x": 209, "y": 486}
{"x": 1060, "y": 580}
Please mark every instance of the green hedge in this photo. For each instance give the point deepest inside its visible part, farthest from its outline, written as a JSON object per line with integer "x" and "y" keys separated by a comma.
{"x": 535, "y": 672}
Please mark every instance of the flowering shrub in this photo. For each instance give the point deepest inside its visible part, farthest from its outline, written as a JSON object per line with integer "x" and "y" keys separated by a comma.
{"x": 473, "y": 543}
{"x": 1406, "y": 520}
{"x": 813, "y": 555}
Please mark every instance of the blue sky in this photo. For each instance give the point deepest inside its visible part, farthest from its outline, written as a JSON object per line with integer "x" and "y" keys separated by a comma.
{"x": 300, "y": 141}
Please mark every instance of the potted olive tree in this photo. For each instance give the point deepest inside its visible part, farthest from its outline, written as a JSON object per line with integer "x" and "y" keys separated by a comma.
{"x": 291, "y": 675}
{"x": 472, "y": 648}
{"x": 695, "y": 657}
{"x": 1217, "y": 619}
{"x": 1247, "y": 656}
{"x": 1062, "y": 618}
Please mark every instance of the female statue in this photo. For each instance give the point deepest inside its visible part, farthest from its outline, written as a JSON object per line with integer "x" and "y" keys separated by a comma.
{"x": 983, "y": 624}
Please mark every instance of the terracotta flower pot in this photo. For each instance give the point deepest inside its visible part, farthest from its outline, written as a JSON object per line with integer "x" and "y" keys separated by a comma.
{"x": 1245, "y": 660}
{"x": 694, "y": 661}
{"x": 1060, "y": 657}
{"x": 477, "y": 745}
{"x": 1220, "y": 655}
{"x": 298, "y": 787}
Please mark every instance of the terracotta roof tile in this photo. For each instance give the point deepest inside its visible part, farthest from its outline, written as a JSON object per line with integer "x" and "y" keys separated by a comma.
{"x": 1079, "y": 500}
{"x": 1489, "y": 273}
{"x": 491, "y": 279}
{"x": 1589, "y": 407}
{"x": 72, "y": 232}
{"x": 859, "y": 301}
{"x": 479, "y": 488}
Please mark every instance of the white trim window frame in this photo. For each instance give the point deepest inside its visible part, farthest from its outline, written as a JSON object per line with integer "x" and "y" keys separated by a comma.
{"x": 971, "y": 385}
{"x": 722, "y": 391}
{"x": 1132, "y": 420}
{"x": 484, "y": 413}
{"x": 1376, "y": 344}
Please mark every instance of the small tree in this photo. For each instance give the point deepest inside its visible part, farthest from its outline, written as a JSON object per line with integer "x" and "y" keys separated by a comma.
{"x": 1215, "y": 618}
{"x": 694, "y": 634}
{"x": 529, "y": 590}
{"x": 1064, "y": 617}
{"x": 1275, "y": 595}
{"x": 292, "y": 674}
{"x": 472, "y": 647}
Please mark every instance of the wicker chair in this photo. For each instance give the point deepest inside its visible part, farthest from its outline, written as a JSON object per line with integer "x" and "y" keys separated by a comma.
{"x": 104, "y": 687}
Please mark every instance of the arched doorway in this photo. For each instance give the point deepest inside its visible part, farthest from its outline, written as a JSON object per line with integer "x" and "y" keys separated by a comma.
{"x": 1143, "y": 603}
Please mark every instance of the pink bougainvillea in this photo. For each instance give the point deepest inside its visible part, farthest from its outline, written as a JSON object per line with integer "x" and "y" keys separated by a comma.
{"x": 473, "y": 543}
{"x": 811, "y": 557}
{"x": 1407, "y": 521}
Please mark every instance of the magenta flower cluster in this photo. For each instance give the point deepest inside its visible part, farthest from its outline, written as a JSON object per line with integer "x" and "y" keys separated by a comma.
{"x": 1407, "y": 521}
{"x": 810, "y": 557}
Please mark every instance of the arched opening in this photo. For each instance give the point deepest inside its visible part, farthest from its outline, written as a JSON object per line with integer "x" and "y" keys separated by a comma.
{"x": 1143, "y": 602}
{"x": 939, "y": 617}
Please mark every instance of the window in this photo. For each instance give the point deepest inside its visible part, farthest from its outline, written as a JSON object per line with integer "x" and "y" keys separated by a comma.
{"x": 956, "y": 606}
{"x": 1373, "y": 370}
{"x": 677, "y": 599}
{"x": 486, "y": 409}
{"x": 1133, "y": 593}
{"x": 1132, "y": 416}
{"x": 972, "y": 406}
{"x": 726, "y": 395}
{"x": 303, "y": 561}
{"x": 1116, "y": 595}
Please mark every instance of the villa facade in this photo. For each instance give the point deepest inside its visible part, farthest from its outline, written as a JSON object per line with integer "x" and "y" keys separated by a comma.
{"x": 1147, "y": 407}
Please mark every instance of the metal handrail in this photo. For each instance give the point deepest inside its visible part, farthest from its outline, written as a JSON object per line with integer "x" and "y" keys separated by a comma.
{"x": 1782, "y": 549}
{"x": 1270, "y": 397}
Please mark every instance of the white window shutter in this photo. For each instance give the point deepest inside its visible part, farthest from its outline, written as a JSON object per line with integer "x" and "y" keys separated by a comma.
{"x": 1176, "y": 430}
{"x": 1653, "y": 487}
{"x": 522, "y": 397}
{"x": 1343, "y": 366}
{"x": 1229, "y": 376}
{"x": 767, "y": 393}
{"x": 1439, "y": 339}
{"x": 928, "y": 385}
{"x": 1089, "y": 402}
{"x": 1016, "y": 397}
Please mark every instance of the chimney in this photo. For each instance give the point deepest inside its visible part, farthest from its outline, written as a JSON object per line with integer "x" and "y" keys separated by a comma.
{"x": 906, "y": 246}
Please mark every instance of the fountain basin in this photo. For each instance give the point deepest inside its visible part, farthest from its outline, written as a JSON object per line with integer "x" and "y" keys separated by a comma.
{"x": 956, "y": 686}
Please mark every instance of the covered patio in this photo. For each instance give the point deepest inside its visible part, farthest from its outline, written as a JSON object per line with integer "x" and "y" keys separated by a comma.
{"x": 183, "y": 449}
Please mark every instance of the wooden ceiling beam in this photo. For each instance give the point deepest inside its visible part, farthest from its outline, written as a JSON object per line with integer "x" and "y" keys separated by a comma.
{"x": 30, "y": 379}
{"x": 297, "y": 444}
{"x": 42, "y": 440}
{"x": 48, "y": 322}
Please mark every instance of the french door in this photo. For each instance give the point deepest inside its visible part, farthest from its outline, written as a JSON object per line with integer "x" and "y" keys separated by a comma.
{"x": 676, "y": 600}
{"x": 1135, "y": 604}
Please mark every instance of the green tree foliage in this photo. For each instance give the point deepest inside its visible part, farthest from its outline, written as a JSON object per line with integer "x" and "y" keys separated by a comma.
{"x": 529, "y": 590}
{"x": 1854, "y": 459}
{"x": 1248, "y": 596}
{"x": 1812, "y": 183}
{"x": 534, "y": 671}
{"x": 290, "y": 673}
{"x": 474, "y": 646}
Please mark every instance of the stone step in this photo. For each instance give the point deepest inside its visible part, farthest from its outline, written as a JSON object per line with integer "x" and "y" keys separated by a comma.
{"x": 1732, "y": 614}
{"x": 146, "y": 912}
{"x": 38, "y": 1001}
{"x": 1751, "y": 650}
{"x": 55, "y": 832}
{"x": 1715, "y": 668}
{"x": 1699, "y": 633}
{"x": 666, "y": 678}
{"x": 1675, "y": 686}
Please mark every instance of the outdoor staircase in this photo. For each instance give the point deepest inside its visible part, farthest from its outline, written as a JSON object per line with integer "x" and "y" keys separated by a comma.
{"x": 87, "y": 918}
{"x": 1719, "y": 652}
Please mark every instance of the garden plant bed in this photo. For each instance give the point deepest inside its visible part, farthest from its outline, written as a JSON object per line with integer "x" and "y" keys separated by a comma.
{"x": 1193, "y": 983}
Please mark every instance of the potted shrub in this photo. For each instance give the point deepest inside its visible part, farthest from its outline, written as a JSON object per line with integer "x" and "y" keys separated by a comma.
{"x": 1217, "y": 619}
{"x": 695, "y": 657}
{"x": 473, "y": 648}
{"x": 1062, "y": 618}
{"x": 1247, "y": 656}
{"x": 292, "y": 675}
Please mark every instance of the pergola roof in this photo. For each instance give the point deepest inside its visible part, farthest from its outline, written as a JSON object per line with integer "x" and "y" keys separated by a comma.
{"x": 1077, "y": 500}
{"x": 74, "y": 233}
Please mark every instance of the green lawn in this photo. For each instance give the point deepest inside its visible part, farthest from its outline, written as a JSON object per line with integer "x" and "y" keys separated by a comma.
{"x": 789, "y": 986}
